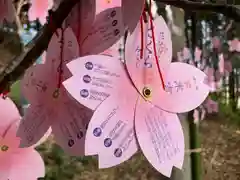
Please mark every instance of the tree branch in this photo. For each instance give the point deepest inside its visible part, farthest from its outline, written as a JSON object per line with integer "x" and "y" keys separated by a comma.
{"x": 35, "y": 48}
{"x": 230, "y": 11}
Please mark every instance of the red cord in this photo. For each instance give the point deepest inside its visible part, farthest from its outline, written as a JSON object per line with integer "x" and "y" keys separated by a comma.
{"x": 61, "y": 60}
{"x": 141, "y": 23}
{"x": 154, "y": 45}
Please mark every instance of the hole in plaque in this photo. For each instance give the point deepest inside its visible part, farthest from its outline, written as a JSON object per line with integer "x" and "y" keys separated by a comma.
{"x": 147, "y": 92}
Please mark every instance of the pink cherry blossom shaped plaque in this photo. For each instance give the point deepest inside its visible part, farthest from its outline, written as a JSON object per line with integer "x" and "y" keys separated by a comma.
{"x": 91, "y": 86}
{"x": 184, "y": 87}
{"x": 111, "y": 128}
{"x": 14, "y": 160}
{"x": 104, "y": 128}
{"x": 81, "y": 18}
{"x": 51, "y": 106}
{"x": 106, "y": 30}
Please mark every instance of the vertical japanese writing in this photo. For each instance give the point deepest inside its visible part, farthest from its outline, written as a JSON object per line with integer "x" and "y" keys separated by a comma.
{"x": 147, "y": 53}
{"x": 161, "y": 46}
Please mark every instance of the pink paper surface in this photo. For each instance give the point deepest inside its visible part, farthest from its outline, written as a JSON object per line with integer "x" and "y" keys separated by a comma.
{"x": 14, "y": 160}
{"x": 8, "y": 114}
{"x": 70, "y": 51}
{"x": 70, "y": 128}
{"x": 113, "y": 50}
{"x": 185, "y": 88}
{"x": 28, "y": 159}
{"x": 81, "y": 18}
{"x": 44, "y": 138}
{"x": 105, "y": 31}
{"x": 37, "y": 83}
{"x": 94, "y": 78}
{"x": 144, "y": 72}
{"x": 34, "y": 124}
{"x": 45, "y": 109}
{"x": 106, "y": 4}
{"x": 113, "y": 133}
{"x": 160, "y": 137}
{"x": 135, "y": 13}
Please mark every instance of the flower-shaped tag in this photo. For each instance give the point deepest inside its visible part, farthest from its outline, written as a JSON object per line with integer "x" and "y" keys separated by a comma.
{"x": 50, "y": 105}
{"x": 180, "y": 87}
{"x": 97, "y": 25}
{"x": 105, "y": 31}
{"x": 14, "y": 160}
{"x": 111, "y": 129}
{"x": 122, "y": 108}
{"x": 7, "y": 11}
{"x": 81, "y": 18}
{"x": 39, "y": 10}
{"x": 97, "y": 79}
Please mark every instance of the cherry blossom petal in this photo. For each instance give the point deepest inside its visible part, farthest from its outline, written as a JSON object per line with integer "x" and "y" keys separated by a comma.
{"x": 5, "y": 167}
{"x": 111, "y": 129}
{"x": 8, "y": 113}
{"x": 160, "y": 137}
{"x": 44, "y": 138}
{"x": 28, "y": 159}
{"x": 10, "y": 139}
{"x": 35, "y": 124}
{"x": 37, "y": 84}
{"x": 106, "y": 30}
{"x": 94, "y": 78}
{"x": 144, "y": 72}
{"x": 70, "y": 50}
{"x": 183, "y": 91}
{"x": 81, "y": 18}
{"x": 70, "y": 128}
